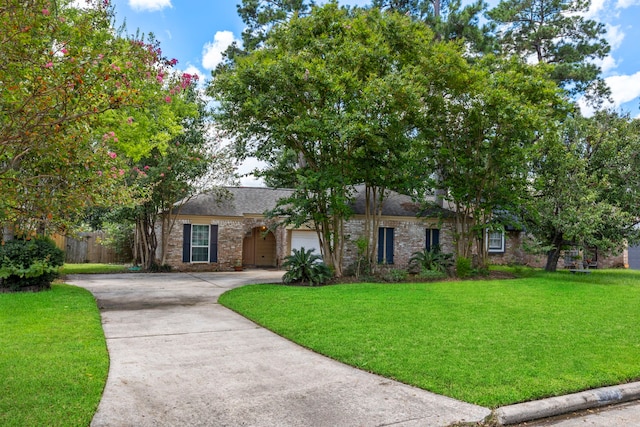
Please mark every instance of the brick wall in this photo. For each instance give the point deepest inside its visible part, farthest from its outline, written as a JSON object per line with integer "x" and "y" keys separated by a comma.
{"x": 231, "y": 233}
{"x": 408, "y": 238}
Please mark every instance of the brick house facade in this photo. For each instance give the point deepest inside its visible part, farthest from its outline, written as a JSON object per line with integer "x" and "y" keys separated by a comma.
{"x": 216, "y": 234}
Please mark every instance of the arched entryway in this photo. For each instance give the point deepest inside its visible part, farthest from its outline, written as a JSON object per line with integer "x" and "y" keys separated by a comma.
{"x": 259, "y": 248}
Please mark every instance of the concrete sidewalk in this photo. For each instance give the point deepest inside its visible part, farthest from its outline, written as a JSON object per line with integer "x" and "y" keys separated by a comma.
{"x": 180, "y": 359}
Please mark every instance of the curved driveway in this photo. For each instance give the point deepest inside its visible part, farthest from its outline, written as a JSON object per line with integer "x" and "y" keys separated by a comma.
{"x": 180, "y": 359}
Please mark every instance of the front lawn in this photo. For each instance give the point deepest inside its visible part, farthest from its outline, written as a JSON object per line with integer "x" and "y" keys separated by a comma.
{"x": 489, "y": 342}
{"x": 53, "y": 357}
{"x": 93, "y": 268}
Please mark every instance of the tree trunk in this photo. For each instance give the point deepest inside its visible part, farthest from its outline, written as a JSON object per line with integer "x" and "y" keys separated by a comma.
{"x": 554, "y": 254}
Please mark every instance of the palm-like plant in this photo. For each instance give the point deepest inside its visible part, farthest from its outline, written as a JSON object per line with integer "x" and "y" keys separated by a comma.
{"x": 305, "y": 267}
{"x": 433, "y": 259}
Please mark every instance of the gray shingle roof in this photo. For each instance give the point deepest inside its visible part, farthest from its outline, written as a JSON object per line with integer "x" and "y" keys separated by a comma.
{"x": 241, "y": 201}
{"x": 257, "y": 200}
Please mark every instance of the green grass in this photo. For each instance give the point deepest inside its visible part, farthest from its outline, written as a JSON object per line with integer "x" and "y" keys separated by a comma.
{"x": 489, "y": 342}
{"x": 93, "y": 268}
{"x": 53, "y": 358}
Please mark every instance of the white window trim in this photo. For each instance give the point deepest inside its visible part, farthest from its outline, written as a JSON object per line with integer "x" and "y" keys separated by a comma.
{"x": 496, "y": 250}
{"x": 200, "y": 246}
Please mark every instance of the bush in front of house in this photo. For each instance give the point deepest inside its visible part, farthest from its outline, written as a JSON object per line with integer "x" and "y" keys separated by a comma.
{"x": 431, "y": 260}
{"x": 463, "y": 267}
{"x": 29, "y": 263}
{"x": 303, "y": 266}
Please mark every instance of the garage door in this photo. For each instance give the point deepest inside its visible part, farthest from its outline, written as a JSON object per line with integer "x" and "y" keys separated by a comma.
{"x": 634, "y": 257}
{"x": 305, "y": 239}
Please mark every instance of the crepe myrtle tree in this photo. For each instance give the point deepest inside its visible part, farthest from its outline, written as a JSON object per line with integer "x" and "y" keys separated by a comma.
{"x": 481, "y": 148}
{"x": 65, "y": 73}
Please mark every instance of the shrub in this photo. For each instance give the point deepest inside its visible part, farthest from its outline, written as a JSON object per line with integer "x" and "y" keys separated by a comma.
{"x": 395, "y": 275}
{"x": 433, "y": 259}
{"x": 463, "y": 267}
{"x": 29, "y": 263}
{"x": 305, "y": 267}
{"x": 431, "y": 275}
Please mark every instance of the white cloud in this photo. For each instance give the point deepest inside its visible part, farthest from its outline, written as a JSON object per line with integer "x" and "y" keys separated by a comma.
{"x": 607, "y": 64}
{"x": 212, "y": 51}
{"x": 623, "y": 4}
{"x": 149, "y": 5}
{"x": 595, "y": 8}
{"x": 614, "y": 36}
{"x": 624, "y": 88}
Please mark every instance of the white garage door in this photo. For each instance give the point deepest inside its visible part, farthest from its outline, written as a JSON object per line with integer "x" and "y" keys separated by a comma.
{"x": 305, "y": 239}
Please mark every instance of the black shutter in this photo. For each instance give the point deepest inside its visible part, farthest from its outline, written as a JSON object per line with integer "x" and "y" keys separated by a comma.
{"x": 186, "y": 243}
{"x": 380, "y": 244}
{"x": 213, "y": 243}
{"x": 427, "y": 245}
{"x": 389, "y": 246}
{"x": 435, "y": 238}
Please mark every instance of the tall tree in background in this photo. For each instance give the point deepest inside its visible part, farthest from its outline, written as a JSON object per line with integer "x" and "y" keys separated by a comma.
{"x": 555, "y": 32}
{"x": 261, "y": 15}
{"x": 448, "y": 19}
{"x": 62, "y": 70}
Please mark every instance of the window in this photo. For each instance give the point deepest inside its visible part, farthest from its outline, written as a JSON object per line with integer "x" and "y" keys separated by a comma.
{"x": 200, "y": 243}
{"x": 495, "y": 241}
{"x": 385, "y": 245}
{"x": 432, "y": 239}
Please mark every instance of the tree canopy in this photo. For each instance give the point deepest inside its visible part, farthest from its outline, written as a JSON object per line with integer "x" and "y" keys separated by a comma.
{"x": 67, "y": 77}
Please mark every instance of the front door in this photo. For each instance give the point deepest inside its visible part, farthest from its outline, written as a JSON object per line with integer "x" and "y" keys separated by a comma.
{"x": 259, "y": 248}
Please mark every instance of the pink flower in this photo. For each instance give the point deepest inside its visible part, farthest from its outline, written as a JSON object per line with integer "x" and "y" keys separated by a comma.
{"x": 64, "y": 51}
{"x": 167, "y": 99}
{"x": 121, "y": 172}
{"x": 48, "y": 64}
{"x": 146, "y": 167}
{"x": 45, "y": 12}
{"x": 174, "y": 61}
{"x": 130, "y": 120}
{"x": 112, "y": 154}
{"x": 99, "y": 173}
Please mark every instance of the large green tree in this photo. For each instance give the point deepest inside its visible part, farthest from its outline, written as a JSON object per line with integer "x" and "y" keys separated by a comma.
{"x": 480, "y": 151}
{"x": 63, "y": 69}
{"x": 585, "y": 191}
{"x": 339, "y": 93}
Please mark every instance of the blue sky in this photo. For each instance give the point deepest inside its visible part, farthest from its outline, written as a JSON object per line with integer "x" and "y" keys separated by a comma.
{"x": 196, "y": 31}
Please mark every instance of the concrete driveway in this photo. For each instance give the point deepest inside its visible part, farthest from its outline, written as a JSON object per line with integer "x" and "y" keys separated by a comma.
{"x": 180, "y": 359}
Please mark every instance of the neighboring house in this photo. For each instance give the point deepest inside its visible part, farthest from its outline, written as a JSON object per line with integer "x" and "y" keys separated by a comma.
{"x": 213, "y": 234}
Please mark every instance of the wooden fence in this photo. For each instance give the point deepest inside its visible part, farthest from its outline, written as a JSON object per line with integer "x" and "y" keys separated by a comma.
{"x": 85, "y": 248}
